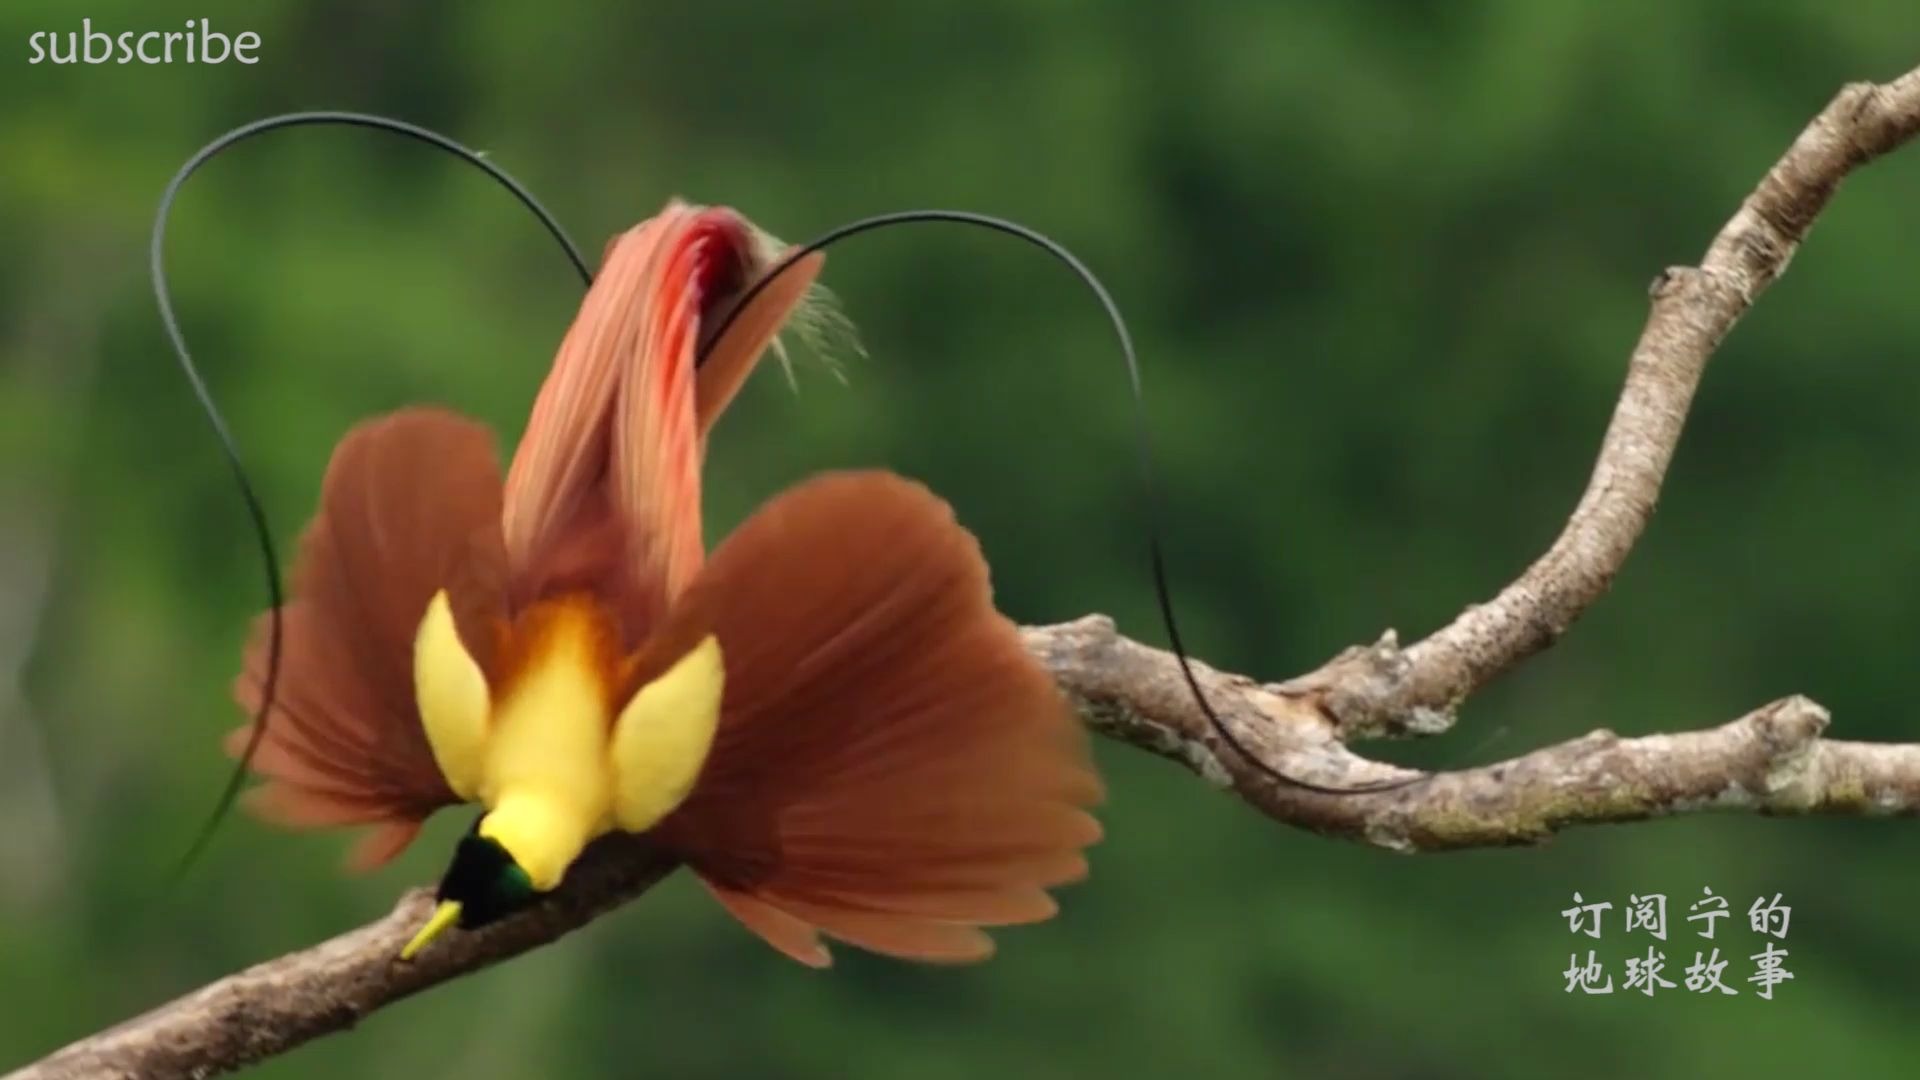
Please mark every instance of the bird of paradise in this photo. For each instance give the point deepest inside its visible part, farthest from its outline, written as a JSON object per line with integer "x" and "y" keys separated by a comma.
{"x": 825, "y": 717}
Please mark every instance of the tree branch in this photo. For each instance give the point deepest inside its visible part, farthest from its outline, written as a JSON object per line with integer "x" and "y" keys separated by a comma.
{"x": 1772, "y": 761}
{"x": 1385, "y": 690}
{"x": 273, "y": 1007}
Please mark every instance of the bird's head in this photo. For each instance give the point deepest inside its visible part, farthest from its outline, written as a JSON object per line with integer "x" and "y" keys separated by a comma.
{"x": 483, "y": 884}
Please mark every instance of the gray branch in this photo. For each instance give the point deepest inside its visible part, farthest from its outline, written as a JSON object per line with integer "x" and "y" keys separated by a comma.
{"x": 273, "y": 1007}
{"x": 1388, "y": 691}
{"x": 1771, "y": 761}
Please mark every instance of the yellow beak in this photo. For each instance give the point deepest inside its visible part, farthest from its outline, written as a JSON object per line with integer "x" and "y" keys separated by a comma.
{"x": 443, "y": 916}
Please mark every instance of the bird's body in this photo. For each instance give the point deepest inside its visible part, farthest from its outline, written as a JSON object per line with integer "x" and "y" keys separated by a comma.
{"x": 554, "y": 764}
{"x": 543, "y": 774}
{"x": 824, "y": 717}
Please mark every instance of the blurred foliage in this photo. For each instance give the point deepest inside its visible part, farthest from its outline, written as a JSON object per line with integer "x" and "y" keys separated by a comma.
{"x": 1385, "y": 262}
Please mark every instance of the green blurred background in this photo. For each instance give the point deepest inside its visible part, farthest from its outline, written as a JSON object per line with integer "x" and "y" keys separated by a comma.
{"x": 1385, "y": 262}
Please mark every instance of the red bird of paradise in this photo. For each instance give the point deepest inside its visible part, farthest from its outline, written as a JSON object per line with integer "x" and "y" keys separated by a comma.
{"x": 825, "y": 718}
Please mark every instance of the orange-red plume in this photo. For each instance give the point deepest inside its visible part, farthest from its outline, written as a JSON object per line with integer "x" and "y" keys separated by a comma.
{"x": 621, "y": 421}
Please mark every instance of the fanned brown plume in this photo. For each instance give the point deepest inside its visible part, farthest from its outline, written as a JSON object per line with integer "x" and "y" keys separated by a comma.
{"x": 410, "y": 505}
{"x": 892, "y": 768}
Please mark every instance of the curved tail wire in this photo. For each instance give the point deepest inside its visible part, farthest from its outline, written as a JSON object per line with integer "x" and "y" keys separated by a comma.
{"x": 1143, "y": 443}
{"x": 228, "y": 446}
